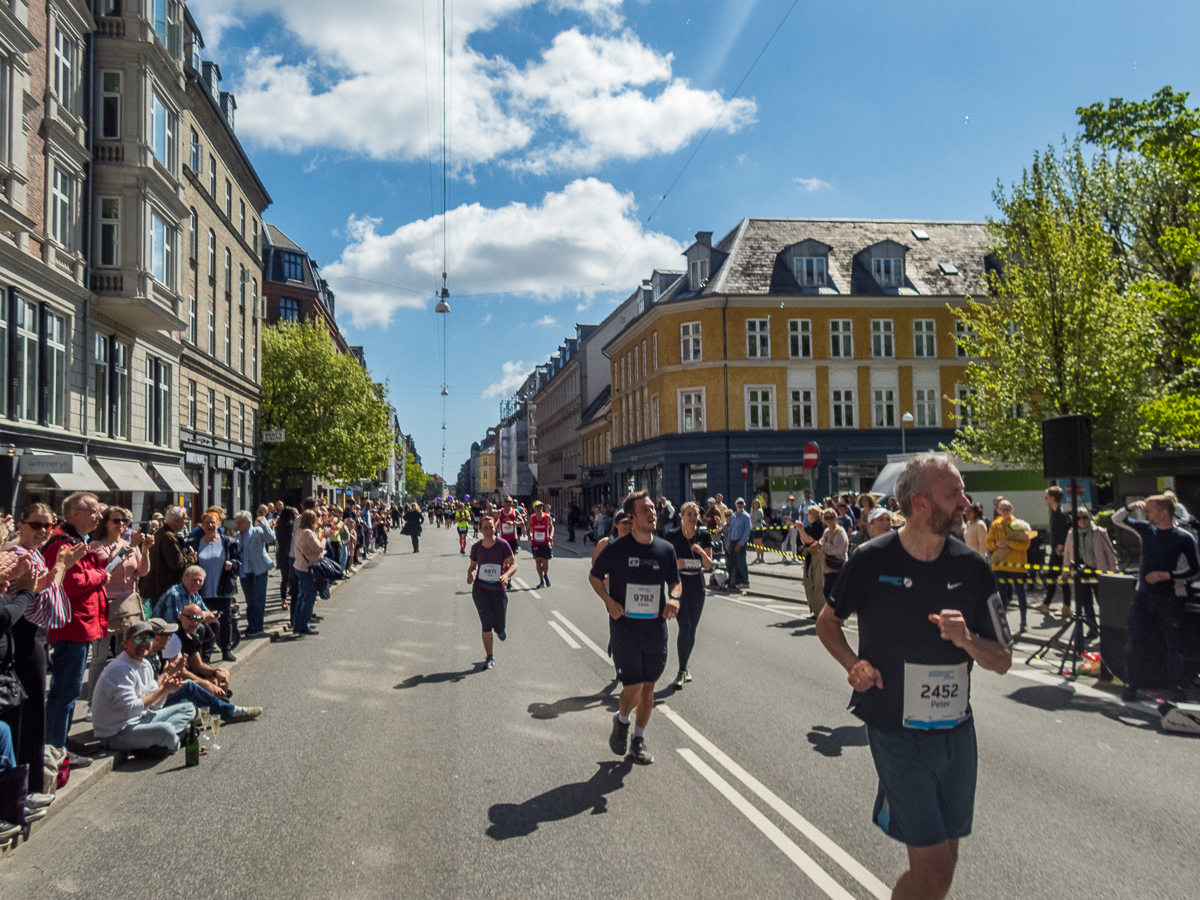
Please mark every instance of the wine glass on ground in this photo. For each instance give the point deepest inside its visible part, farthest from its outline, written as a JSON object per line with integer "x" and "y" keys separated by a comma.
{"x": 216, "y": 730}
{"x": 205, "y": 722}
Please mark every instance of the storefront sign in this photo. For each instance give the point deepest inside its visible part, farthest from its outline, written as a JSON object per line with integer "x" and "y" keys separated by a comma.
{"x": 274, "y": 436}
{"x": 45, "y": 464}
{"x": 195, "y": 459}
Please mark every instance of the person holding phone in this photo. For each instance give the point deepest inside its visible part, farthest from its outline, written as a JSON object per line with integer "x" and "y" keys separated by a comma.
{"x": 220, "y": 558}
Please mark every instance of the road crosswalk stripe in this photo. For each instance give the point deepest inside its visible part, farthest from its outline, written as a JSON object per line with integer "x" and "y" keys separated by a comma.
{"x": 562, "y": 633}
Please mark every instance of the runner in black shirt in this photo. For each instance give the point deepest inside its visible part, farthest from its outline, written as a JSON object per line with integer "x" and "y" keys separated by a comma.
{"x": 693, "y": 549}
{"x": 927, "y": 610}
{"x": 637, "y": 567}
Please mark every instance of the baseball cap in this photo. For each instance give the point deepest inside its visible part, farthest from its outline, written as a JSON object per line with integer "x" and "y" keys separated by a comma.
{"x": 138, "y": 628}
{"x": 162, "y": 626}
{"x": 537, "y": 503}
{"x": 739, "y": 500}
{"x": 877, "y": 513}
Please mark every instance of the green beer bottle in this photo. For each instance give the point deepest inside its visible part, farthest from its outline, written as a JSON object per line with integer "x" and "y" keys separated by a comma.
{"x": 192, "y": 748}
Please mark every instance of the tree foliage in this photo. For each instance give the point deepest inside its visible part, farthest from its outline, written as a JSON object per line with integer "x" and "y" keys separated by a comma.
{"x": 336, "y": 420}
{"x": 1058, "y": 333}
{"x": 414, "y": 477}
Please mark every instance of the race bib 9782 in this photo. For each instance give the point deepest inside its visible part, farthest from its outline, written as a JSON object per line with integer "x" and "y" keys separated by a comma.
{"x": 641, "y": 600}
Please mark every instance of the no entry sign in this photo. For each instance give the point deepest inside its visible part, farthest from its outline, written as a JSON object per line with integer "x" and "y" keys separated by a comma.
{"x": 745, "y": 471}
{"x": 812, "y": 455}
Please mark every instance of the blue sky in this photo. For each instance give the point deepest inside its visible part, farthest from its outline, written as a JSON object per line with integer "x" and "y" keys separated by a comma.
{"x": 569, "y": 120}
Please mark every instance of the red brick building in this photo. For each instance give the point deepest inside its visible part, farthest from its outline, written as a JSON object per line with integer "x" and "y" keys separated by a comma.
{"x": 293, "y": 287}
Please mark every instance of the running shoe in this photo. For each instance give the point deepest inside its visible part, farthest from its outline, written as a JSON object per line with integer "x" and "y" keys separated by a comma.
{"x": 680, "y": 680}
{"x": 1043, "y": 608}
{"x": 8, "y": 831}
{"x": 547, "y": 581}
{"x": 490, "y": 662}
{"x": 242, "y": 713}
{"x": 687, "y": 674}
{"x": 619, "y": 739}
{"x": 503, "y": 635}
{"x": 640, "y": 752}
{"x": 38, "y": 800}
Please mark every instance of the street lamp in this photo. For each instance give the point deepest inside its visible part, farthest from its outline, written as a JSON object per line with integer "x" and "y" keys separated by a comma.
{"x": 906, "y": 419}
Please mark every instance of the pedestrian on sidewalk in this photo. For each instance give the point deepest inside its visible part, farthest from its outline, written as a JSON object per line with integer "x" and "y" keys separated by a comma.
{"x": 835, "y": 546}
{"x": 1009, "y": 544}
{"x": 757, "y": 523}
{"x": 1060, "y": 524}
{"x": 412, "y": 526}
{"x": 256, "y": 565}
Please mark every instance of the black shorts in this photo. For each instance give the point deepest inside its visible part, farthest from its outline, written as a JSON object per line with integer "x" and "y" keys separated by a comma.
{"x": 514, "y": 543}
{"x": 542, "y": 551}
{"x": 492, "y": 607}
{"x": 639, "y": 649}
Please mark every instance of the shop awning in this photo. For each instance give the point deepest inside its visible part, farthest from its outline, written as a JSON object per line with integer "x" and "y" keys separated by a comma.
{"x": 127, "y": 474}
{"x": 175, "y": 479}
{"x": 82, "y": 476}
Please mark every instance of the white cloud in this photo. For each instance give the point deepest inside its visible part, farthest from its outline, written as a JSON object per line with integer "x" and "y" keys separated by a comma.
{"x": 546, "y": 320}
{"x": 514, "y": 375}
{"x": 579, "y": 242}
{"x": 486, "y": 319}
{"x": 813, "y": 184}
{"x": 368, "y": 81}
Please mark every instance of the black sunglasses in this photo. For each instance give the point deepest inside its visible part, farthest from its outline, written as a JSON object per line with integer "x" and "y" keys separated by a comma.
{"x": 120, "y": 521}
{"x": 39, "y": 526}
{"x": 195, "y": 618}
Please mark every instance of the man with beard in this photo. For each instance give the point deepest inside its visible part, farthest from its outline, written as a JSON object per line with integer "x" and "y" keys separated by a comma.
{"x": 928, "y": 609}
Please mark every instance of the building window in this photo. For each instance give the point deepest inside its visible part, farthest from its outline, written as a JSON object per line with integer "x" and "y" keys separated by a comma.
{"x": 254, "y": 235}
{"x": 166, "y": 26}
{"x": 62, "y": 190}
{"x": 885, "y": 408}
{"x": 962, "y": 333}
{"x": 110, "y": 231}
{"x": 56, "y": 369}
{"x": 926, "y": 408}
{"x": 193, "y": 324}
{"x": 164, "y": 404}
{"x": 645, "y": 361}
{"x": 254, "y": 349}
{"x": 758, "y": 407}
{"x": 100, "y": 383}
{"x": 654, "y": 416}
{"x": 291, "y": 267}
{"x": 162, "y": 252}
{"x": 163, "y": 126}
{"x": 242, "y": 343}
{"x": 153, "y": 432}
{"x": 242, "y": 218}
{"x": 26, "y": 361}
{"x": 212, "y": 176}
{"x": 881, "y": 339}
{"x": 212, "y": 330}
{"x": 118, "y": 387}
{"x": 242, "y": 422}
{"x": 802, "y": 409}
{"x": 289, "y": 310}
{"x": 841, "y": 338}
{"x": 243, "y": 277}
{"x": 964, "y": 406}
{"x": 800, "y": 338}
{"x": 254, "y": 311}
{"x": 211, "y": 408}
{"x": 810, "y": 271}
{"x": 110, "y": 105}
{"x": 689, "y": 342}
{"x": 191, "y": 400}
{"x": 228, "y": 417}
{"x": 691, "y": 409}
{"x": 229, "y": 200}
{"x": 654, "y": 347}
{"x": 196, "y": 155}
{"x": 229, "y": 333}
{"x": 66, "y": 54}
{"x": 889, "y": 272}
{"x": 924, "y": 339}
{"x": 228, "y": 272}
{"x": 843, "y": 408}
{"x": 698, "y": 273}
{"x": 758, "y": 339}
{"x": 212, "y": 254}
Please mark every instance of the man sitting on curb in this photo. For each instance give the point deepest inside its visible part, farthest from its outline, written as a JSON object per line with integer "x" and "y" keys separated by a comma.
{"x": 204, "y": 686}
{"x": 129, "y": 710}
{"x": 175, "y": 598}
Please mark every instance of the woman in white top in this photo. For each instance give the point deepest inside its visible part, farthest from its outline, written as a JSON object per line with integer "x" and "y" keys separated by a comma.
{"x": 756, "y": 528}
{"x": 975, "y": 532}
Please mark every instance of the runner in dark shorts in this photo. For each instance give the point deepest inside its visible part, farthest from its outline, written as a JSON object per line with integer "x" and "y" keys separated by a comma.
{"x": 492, "y": 565}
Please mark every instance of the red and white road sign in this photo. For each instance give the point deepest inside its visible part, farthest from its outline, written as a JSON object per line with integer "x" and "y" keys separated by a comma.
{"x": 812, "y": 455}
{"x": 745, "y": 471}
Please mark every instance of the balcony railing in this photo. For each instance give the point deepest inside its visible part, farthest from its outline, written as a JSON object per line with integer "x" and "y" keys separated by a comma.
{"x": 110, "y": 28}
{"x": 110, "y": 151}
{"x": 108, "y": 283}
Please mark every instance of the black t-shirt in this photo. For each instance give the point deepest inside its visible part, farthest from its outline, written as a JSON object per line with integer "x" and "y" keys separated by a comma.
{"x": 692, "y": 574}
{"x": 894, "y": 595}
{"x": 815, "y": 529}
{"x": 628, "y": 563}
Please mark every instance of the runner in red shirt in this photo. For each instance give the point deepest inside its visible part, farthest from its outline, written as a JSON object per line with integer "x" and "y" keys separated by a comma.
{"x": 541, "y": 542}
{"x": 510, "y": 519}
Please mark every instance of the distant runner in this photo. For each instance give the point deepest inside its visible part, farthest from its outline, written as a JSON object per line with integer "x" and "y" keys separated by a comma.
{"x": 492, "y": 565}
{"x": 509, "y": 521}
{"x": 541, "y": 542}
{"x": 464, "y": 525}
{"x": 693, "y": 548}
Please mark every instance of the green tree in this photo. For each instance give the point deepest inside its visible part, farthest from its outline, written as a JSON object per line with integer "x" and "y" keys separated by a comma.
{"x": 414, "y": 477}
{"x": 1057, "y": 333}
{"x": 336, "y": 420}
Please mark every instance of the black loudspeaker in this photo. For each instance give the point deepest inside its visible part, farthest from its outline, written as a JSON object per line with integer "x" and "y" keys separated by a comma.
{"x": 1067, "y": 447}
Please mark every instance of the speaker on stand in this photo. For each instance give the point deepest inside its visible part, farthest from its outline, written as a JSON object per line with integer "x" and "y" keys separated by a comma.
{"x": 1067, "y": 453}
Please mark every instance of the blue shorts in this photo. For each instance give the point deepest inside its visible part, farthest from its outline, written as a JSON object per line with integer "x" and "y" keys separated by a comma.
{"x": 926, "y": 783}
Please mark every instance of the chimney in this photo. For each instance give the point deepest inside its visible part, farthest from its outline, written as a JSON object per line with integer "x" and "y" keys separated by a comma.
{"x": 647, "y": 292}
{"x": 704, "y": 238}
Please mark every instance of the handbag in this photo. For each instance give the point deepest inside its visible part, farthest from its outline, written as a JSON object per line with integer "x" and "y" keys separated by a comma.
{"x": 12, "y": 692}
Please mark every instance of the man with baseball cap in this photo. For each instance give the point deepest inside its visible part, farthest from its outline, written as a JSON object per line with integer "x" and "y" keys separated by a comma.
{"x": 129, "y": 706}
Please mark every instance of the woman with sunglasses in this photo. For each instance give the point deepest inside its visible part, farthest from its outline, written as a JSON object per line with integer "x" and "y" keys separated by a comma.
{"x": 51, "y": 609}
{"x": 835, "y": 545}
{"x": 1095, "y": 552}
{"x": 114, "y": 538}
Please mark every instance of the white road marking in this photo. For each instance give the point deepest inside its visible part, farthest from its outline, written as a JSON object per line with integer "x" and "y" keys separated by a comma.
{"x": 754, "y": 605}
{"x": 587, "y": 641}
{"x": 562, "y": 633}
{"x": 853, "y": 867}
{"x": 803, "y": 861}
{"x": 523, "y": 586}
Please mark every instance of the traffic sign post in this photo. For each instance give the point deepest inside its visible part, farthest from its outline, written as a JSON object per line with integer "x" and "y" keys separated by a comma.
{"x": 812, "y": 455}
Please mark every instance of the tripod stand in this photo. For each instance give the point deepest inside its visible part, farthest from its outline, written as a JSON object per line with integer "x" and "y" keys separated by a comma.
{"x": 1073, "y": 651}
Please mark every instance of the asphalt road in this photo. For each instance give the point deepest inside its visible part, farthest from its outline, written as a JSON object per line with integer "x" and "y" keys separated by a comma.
{"x": 388, "y": 765}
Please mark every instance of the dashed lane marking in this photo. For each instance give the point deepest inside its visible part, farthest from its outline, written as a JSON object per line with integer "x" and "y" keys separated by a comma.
{"x": 562, "y": 633}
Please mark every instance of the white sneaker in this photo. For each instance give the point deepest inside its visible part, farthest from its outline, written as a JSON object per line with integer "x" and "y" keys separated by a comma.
{"x": 37, "y": 801}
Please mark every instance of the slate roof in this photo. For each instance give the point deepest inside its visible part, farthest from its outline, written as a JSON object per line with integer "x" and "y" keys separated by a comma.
{"x": 279, "y": 239}
{"x": 755, "y": 264}
{"x": 598, "y": 408}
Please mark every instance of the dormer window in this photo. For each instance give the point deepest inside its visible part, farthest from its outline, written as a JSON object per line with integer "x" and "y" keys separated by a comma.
{"x": 698, "y": 273}
{"x": 889, "y": 272}
{"x": 810, "y": 271}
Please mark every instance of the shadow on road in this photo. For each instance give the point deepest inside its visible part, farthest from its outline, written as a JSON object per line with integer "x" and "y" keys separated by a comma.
{"x": 830, "y": 741}
{"x": 605, "y": 698}
{"x": 803, "y": 627}
{"x": 564, "y": 802}
{"x": 437, "y": 678}
{"x": 1054, "y": 699}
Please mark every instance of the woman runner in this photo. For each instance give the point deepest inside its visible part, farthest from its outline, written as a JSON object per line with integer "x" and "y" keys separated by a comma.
{"x": 464, "y": 525}
{"x": 693, "y": 550}
{"x": 494, "y": 563}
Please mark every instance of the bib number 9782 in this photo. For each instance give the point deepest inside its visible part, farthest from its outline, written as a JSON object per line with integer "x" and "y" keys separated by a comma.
{"x": 641, "y": 600}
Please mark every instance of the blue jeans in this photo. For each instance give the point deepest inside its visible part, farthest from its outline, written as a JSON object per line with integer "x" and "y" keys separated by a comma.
{"x": 343, "y": 556}
{"x": 198, "y": 696}
{"x": 8, "y": 758}
{"x": 738, "y": 558}
{"x": 255, "y": 589}
{"x": 156, "y": 728}
{"x": 303, "y": 607}
{"x": 68, "y": 662}
{"x": 1006, "y": 592}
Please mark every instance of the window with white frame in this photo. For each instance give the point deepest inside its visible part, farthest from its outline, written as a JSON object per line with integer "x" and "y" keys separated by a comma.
{"x": 56, "y": 369}
{"x": 803, "y": 409}
{"x": 164, "y": 125}
{"x": 881, "y": 339}
{"x": 167, "y": 26}
{"x": 66, "y": 68}
{"x": 118, "y": 402}
{"x": 211, "y": 409}
{"x": 229, "y": 333}
{"x": 254, "y": 235}
{"x": 228, "y": 417}
{"x": 100, "y": 383}
{"x": 654, "y": 415}
{"x": 889, "y": 272}
{"x": 243, "y": 278}
{"x": 212, "y": 254}
{"x": 110, "y": 231}
{"x": 691, "y": 409}
{"x": 254, "y": 349}
{"x": 255, "y": 312}
{"x": 689, "y": 342}
{"x": 885, "y": 408}
{"x": 926, "y": 408}
{"x": 229, "y": 199}
{"x": 924, "y": 339}
{"x": 212, "y": 330}
{"x": 697, "y": 273}
{"x": 196, "y": 154}
{"x": 4, "y": 334}
{"x": 242, "y": 346}
{"x": 62, "y": 195}
{"x": 228, "y": 272}
{"x": 841, "y": 338}
{"x": 26, "y": 360}
{"x": 162, "y": 251}
{"x": 964, "y": 403}
{"x": 110, "y": 105}
{"x": 842, "y": 403}
{"x": 193, "y": 320}
{"x": 810, "y": 270}
{"x": 758, "y": 338}
{"x": 164, "y": 404}
{"x": 191, "y": 404}
{"x": 962, "y": 332}
{"x": 800, "y": 338}
{"x": 645, "y": 361}
{"x": 242, "y": 422}
{"x": 212, "y": 176}
{"x": 151, "y": 391}
{"x": 634, "y": 368}
{"x": 242, "y": 219}
{"x": 759, "y": 407}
